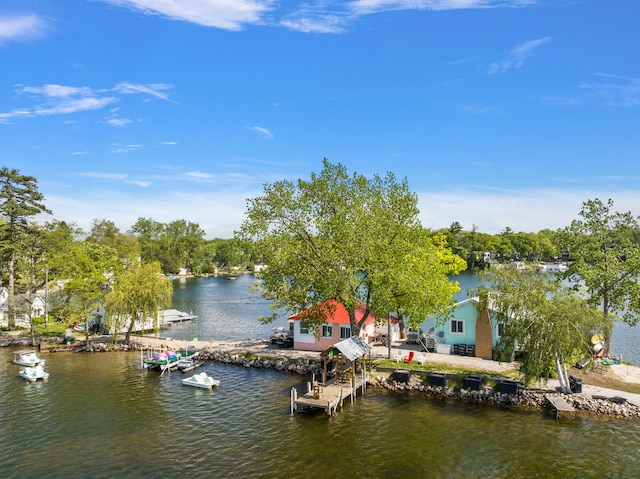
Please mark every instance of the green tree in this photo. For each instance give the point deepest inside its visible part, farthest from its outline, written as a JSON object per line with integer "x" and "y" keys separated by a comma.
{"x": 548, "y": 245}
{"x": 88, "y": 272}
{"x": 186, "y": 240}
{"x": 149, "y": 233}
{"x": 352, "y": 239}
{"x": 549, "y": 322}
{"x": 229, "y": 254}
{"x": 20, "y": 200}
{"x": 106, "y": 233}
{"x": 136, "y": 296}
{"x": 606, "y": 260}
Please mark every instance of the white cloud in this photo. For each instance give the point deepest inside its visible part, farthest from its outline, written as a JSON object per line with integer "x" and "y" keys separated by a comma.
{"x": 614, "y": 90}
{"x": 225, "y": 14}
{"x": 199, "y": 176}
{"x": 517, "y": 56}
{"x": 21, "y": 27}
{"x": 53, "y": 99}
{"x": 117, "y": 121}
{"x": 320, "y": 16}
{"x": 117, "y": 148}
{"x": 99, "y": 175}
{"x": 157, "y": 89}
{"x": 362, "y": 7}
{"x": 262, "y": 132}
{"x": 141, "y": 184}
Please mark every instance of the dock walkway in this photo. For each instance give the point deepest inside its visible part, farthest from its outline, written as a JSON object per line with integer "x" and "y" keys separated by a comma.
{"x": 562, "y": 407}
{"x": 328, "y": 396}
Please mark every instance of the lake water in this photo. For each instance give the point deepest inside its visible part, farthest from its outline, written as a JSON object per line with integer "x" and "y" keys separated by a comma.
{"x": 101, "y": 415}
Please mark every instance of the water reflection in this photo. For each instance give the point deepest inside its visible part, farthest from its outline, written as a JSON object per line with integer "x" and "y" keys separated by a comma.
{"x": 102, "y": 415}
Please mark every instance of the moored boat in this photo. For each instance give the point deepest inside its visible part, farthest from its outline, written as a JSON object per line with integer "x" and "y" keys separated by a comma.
{"x": 167, "y": 359}
{"x": 201, "y": 380}
{"x": 27, "y": 357}
{"x": 189, "y": 364}
{"x": 33, "y": 373}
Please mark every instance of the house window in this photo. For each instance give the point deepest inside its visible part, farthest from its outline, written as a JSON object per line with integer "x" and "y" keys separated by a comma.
{"x": 499, "y": 330}
{"x": 327, "y": 331}
{"x": 304, "y": 327}
{"x": 345, "y": 332}
{"x": 457, "y": 326}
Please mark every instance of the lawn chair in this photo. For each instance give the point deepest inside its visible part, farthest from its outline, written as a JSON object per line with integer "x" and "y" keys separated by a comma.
{"x": 397, "y": 356}
{"x": 422, "y": 358}
{"x": 409, "y": 358}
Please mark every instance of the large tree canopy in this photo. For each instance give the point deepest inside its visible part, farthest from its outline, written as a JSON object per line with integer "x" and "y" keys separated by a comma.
{"x": 606, "y": 259}
{"x": 353, "y": 239}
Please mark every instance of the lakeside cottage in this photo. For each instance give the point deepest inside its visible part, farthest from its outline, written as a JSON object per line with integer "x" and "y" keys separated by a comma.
{"x": 25, "y": 308}
{"x": 469, "y": 332}
{"x": 336, "y": 327}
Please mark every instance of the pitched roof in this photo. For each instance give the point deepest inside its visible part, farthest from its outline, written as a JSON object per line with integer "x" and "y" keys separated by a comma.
{"x": 340, "y": 314}
{"x": 353, "y": 348}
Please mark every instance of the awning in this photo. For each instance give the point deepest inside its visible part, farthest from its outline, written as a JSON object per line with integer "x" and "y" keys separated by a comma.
{"x": 353, "y": 348}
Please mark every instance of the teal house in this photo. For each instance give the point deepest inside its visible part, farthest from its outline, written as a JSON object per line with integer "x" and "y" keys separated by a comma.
{"x": 468, "y": 331}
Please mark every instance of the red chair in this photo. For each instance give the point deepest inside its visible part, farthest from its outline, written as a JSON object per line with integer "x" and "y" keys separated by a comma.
{"x": 409, "y": 358}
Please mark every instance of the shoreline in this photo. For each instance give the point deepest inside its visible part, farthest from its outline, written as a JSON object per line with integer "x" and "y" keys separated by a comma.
{"x": 260, "y": 353}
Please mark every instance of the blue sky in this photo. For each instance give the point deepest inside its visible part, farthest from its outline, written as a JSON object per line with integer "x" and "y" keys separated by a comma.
{"x": 498, "y": 112}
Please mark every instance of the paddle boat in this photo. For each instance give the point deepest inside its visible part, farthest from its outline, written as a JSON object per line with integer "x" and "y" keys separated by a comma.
{"x": 27, "y": 357}
{"x": 33, "y": 373}
{"x": 201, "y": 380}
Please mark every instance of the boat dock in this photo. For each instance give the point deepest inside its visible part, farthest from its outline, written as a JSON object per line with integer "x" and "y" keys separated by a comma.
{"x": 562, "y": 407}
{"x": 166, "y": 319}
{"x": 328, "y": 396}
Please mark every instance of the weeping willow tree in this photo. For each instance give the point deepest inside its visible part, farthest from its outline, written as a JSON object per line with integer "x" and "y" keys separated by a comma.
{"x": 137, "y": 295}
{"x": 549, "y": 323}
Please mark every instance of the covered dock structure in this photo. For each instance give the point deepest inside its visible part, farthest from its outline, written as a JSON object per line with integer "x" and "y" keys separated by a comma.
{"x": 345, "y": 363}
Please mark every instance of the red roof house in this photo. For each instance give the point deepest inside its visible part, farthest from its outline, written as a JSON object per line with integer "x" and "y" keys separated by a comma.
{"x": 335, "y": 328}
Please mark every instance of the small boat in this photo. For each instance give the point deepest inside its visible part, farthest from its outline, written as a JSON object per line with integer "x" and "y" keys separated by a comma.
{"x": 189, "y": 364}
{"x": 282, "y": 337}
{"x": 162, "y": 360}
{"x": 201, "y": 380}
{"x": 33, "y": 373}
{"x": 27, "y": 357}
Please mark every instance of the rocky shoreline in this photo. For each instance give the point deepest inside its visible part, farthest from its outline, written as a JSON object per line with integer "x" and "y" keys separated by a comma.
{"x": 414, "y": 383}
{"x": 524, "y": 398}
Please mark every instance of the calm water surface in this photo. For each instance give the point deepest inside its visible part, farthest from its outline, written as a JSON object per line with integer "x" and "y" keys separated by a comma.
{"x": 101, "y": 415}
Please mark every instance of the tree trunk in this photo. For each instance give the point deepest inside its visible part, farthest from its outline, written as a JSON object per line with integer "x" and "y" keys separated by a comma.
{"x": 562, "y": 376}
{"x": 11, "y": 312}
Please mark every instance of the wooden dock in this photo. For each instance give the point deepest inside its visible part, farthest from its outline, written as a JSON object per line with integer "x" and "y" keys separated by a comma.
{"x": 562, "y": 408}
{"x": 328, "y": 396}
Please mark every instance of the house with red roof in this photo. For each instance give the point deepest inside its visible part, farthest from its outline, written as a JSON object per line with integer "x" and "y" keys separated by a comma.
{"x": 336, "y": 327}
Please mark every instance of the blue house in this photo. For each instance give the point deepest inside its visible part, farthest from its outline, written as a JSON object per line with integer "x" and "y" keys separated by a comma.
{"x": 468, "y": 331}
